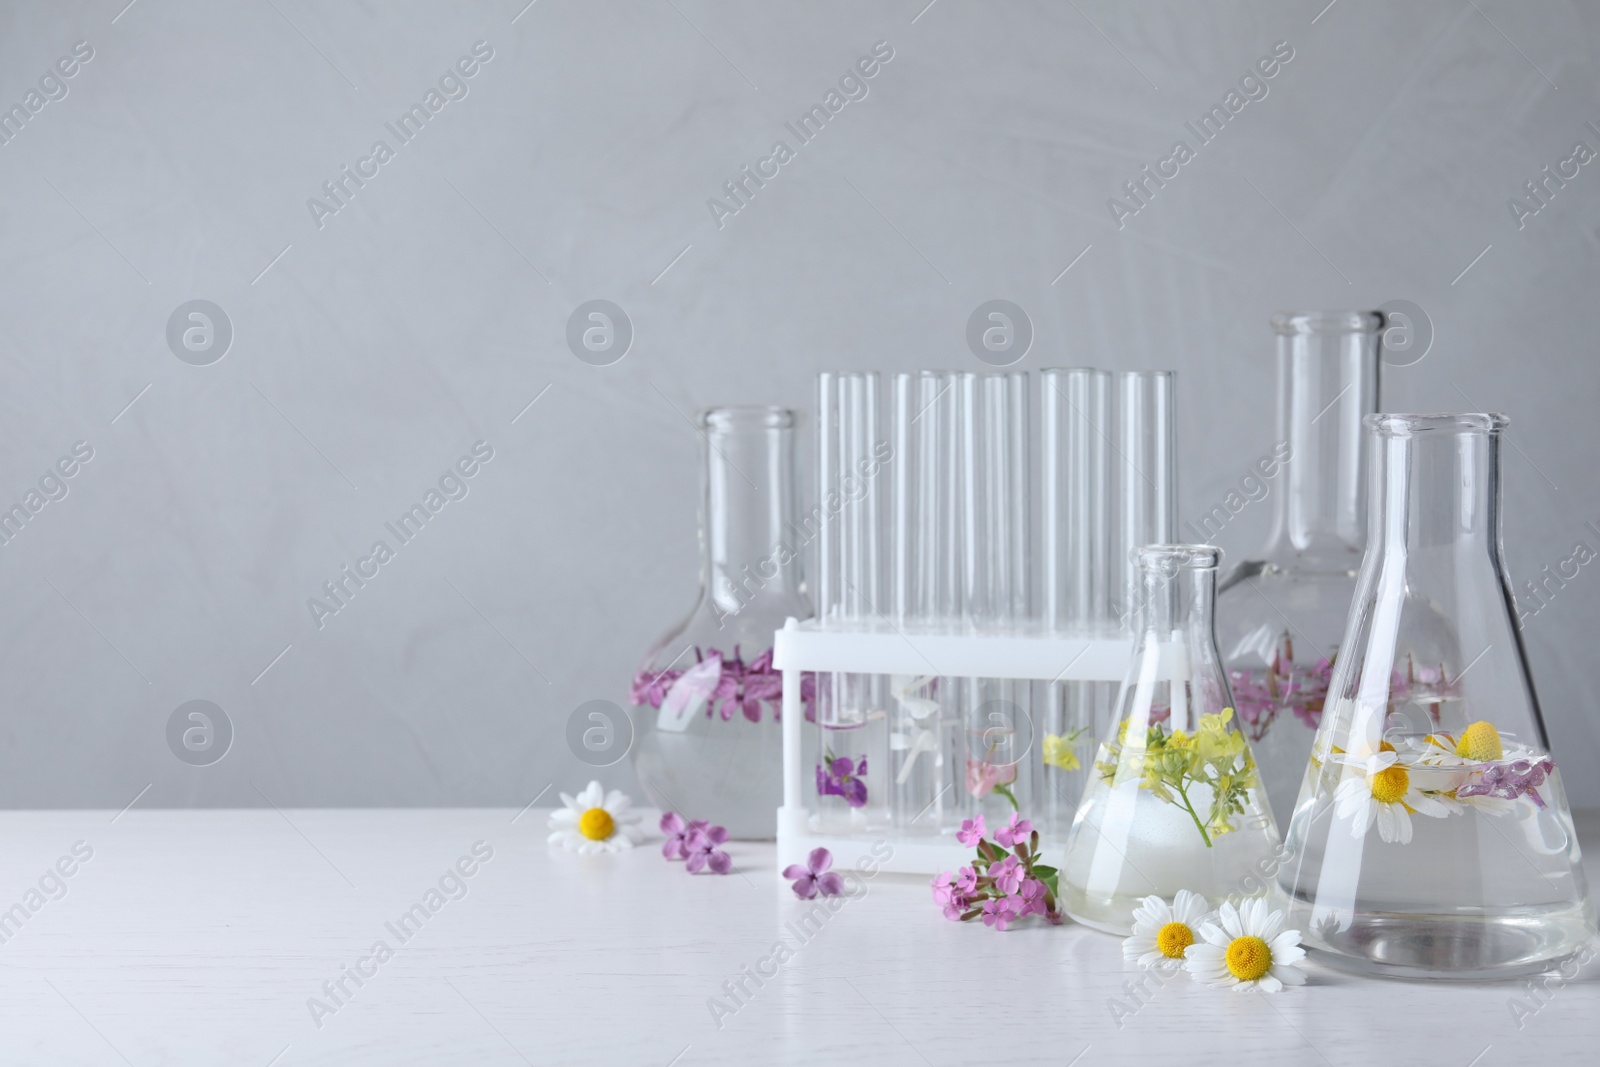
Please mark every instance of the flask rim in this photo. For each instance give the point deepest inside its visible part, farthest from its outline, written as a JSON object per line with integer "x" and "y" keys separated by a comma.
{"x": 746, "y": 417}
{"x": 1405, "y": 425}
{"x": 1179, "y": 556}
{"x": 1287, "y": 323}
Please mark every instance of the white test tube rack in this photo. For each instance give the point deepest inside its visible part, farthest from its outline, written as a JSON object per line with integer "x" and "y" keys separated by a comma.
{"x": 806, "y": 646}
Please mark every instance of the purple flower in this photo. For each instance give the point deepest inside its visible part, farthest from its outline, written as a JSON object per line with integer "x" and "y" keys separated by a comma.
{"x": 967, "y": 881}
{"x": 1031, "y": 898}
{"x": 703, "y": 851}
{"x": 650, "y": 687}
{"x": 726, "y": 684}
{"x": 1509, "y": 781}
{"x": 949, "y": 895}
{"x": 971, "y": 832}
{"x": 678, "y": 832}
{"x": 842, "y": 778}
{"x": 1014, "y": 832}
{"x": 1007, "y": 875}
{"x": 815, "y": 877}
{"x": 999, "y": 911}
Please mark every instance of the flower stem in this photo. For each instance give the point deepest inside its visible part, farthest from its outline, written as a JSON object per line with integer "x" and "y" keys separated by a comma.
{"x": 1198, "y": 825}
{"x": 1005, "y": 792}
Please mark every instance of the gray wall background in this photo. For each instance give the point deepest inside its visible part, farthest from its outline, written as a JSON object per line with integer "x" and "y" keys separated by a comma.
{"x": 369, "y": 354}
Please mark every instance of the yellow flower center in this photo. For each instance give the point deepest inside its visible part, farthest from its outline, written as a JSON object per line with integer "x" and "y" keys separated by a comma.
{"x": 1172, "y": 939}
{"x": 1390, "y": 784}
{"x": 596, "y": 824}
{"x": 1249, "y": 958}
{"x": 1480, "y": 741}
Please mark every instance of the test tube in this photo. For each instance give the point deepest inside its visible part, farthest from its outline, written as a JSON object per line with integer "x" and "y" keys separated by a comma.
{"x": 926, "y": 596}
{"x": 993, "y": 430}
{"x": 852, "y": 455}
{"x": 1146, "y": 481}
{"x": 1075, "y": 409}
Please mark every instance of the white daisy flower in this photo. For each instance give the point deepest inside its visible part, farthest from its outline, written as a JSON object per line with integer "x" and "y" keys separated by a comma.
{"x": 1247, "y": 948}
{"x": 1381, "y": 789}
{"x": 596, "y": 821}
{"x": 1162, "y": 932}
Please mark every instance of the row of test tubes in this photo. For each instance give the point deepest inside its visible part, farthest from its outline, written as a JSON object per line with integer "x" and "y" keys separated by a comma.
{"x": 943, "y": 510}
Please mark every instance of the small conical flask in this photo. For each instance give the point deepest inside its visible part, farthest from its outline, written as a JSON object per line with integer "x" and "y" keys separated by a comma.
{"x": 1432, "y": 837}
{"x": 1174, "y": 800}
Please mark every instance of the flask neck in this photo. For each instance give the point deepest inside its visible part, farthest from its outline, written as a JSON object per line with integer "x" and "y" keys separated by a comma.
{"x": 1177, "y": 598}
{"x": 1327, "y": 383}
{"x": 1437, "y": 485}
{"x": 752, "y": 562}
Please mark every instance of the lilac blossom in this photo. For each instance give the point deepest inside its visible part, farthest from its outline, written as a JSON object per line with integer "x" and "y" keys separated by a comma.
{"x": 1510, "y": 781}
{"x": 727, "y": 684}
{"x": 703, "y": 851}
{"x": 842, "y": 778}
{"x": 971, "y": 832}
{"x": 678, "y": 832}
{"x": 815, "y": 877}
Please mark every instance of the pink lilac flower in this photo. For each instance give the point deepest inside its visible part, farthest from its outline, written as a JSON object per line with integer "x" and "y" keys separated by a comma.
{"x": 999, "y": 911}
{"x": 1510, "y": 781}
{"x": 733, "y": 685}
{"x": 650, "y": 687}
{"x": 678, "y": 832}
{"x": 971, "y": 832}
{"x": 1014, "y": 832}
{"x": 948, "y": 895}
{"x": 1031, "y": 898}
{"x": 815, "y": 877}
{"x": 983, "y": 776}
{"x": 1007, "y": 875}
{"x": 842, "y": 778}
{"x": 703, "y": 851}
{"x": 966, "y": 881}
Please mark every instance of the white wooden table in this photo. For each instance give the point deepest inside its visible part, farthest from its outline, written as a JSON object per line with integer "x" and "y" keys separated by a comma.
{"x": 198, "y": 937}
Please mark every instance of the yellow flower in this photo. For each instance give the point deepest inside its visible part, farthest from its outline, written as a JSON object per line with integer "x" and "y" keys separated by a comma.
{"x": 1480, "y": 741}
{"x": 1061, "y": 751}
{"x": 1215, "y": 741}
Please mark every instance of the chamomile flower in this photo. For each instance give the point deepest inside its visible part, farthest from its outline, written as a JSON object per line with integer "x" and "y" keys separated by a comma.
{"x": 1381, "y": 789}
{"x": 1246, "y": 948}
{"x": 1163, "y": 932}
{"x": 595, "y": 821}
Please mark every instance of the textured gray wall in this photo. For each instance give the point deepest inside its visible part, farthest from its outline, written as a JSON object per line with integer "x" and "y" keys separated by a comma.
{"x": 374, "y": 345}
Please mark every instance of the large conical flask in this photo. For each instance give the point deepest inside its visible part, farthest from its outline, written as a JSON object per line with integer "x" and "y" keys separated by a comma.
{"x": 1173, "y": 801}
{"x": 1281, "y": 612}
{"x": 1432, "y": 837}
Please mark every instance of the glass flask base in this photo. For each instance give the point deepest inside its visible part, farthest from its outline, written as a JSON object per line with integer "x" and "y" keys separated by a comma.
{"x": 728, "y": 772}
{"x": 1454, "y": 948}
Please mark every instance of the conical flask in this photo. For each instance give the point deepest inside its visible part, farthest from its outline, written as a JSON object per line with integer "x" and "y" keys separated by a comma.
{"x": 1432, "y": 837}
{"x": 1174, "y": 801}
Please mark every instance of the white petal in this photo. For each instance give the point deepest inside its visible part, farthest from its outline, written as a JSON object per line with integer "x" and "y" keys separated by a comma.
{"x": 1228, "y": 915}
{"x": 570, "y": 801}
{"x": 1402, "y": 824}
{"x": 563, "y": 818}
{"x": 1215, "y": 935}
{"x": 1189, "y": 908}
{"x": 1288, "y": 975}
{"x": 1426, "y": 805}
{"x": 1268, "y": 984}
{"x": 593, "y": 796}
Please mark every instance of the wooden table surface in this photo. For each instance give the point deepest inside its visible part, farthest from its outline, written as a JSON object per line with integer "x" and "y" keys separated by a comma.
{"x": 224, "y": 937}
